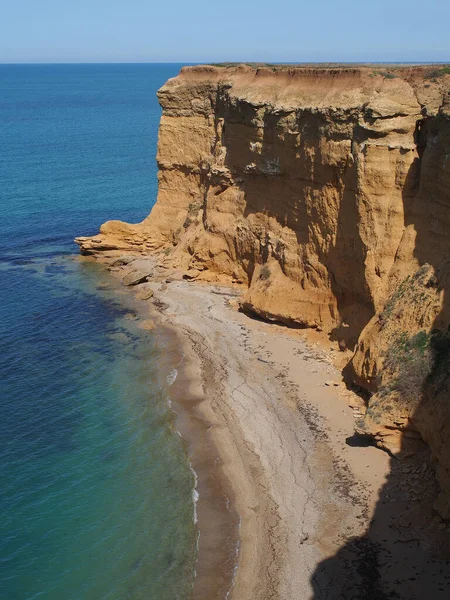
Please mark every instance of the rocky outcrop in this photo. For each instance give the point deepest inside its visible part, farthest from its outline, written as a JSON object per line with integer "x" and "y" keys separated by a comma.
{"x": 135, "y": 277}
{"x": 326, "y": 192}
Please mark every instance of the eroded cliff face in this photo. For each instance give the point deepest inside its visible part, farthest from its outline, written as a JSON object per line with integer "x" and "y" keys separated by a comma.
{"x": 324, "y": 191}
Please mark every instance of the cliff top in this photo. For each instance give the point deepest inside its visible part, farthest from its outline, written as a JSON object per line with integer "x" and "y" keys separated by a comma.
{"x": 400, "y": 89}
{"x": 430, "y": 71}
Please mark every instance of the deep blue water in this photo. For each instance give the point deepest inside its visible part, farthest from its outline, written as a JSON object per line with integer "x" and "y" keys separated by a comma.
{"x": 96, "y": 487}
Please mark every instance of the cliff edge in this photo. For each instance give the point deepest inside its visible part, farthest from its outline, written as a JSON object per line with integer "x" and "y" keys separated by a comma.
{"x": 326, "y": 192}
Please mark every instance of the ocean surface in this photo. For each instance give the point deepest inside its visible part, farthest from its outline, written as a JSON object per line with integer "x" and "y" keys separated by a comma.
{"x": 96, "y": 493}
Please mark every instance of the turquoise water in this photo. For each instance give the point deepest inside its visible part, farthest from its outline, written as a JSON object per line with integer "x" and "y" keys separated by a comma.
{"x": 96, "y": 494}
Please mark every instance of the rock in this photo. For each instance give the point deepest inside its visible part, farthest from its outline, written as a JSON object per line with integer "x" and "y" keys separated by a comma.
{"x": 123, "y": 260}
{"x": 304, "y": 538}
{"x": 136, "y": 277}
{"x": 191, "y": 274}
{"x": 145, "y": 294}
{"x": 148, "y": 325}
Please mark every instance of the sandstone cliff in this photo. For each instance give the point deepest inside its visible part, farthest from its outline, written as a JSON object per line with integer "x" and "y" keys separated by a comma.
{"x": 326, "y": 192}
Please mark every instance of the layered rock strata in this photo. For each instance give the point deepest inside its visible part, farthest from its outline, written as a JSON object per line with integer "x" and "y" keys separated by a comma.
{"x": 326, "y": 192}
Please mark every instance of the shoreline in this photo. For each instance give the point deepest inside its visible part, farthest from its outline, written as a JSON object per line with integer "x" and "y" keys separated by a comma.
{"x": 212, "y": 344}
{"x": 216, "y": 521}
{"x": 268, "y": 425}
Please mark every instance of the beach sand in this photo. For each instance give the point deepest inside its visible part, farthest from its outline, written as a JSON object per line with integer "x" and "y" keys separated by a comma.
{"x": 266, "y": 418}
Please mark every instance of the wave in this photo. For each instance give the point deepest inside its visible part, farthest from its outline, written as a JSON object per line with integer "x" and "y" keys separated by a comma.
{"x": 172, "y": 376}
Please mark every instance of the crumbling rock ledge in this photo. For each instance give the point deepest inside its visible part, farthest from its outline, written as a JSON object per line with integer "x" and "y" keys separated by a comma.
{"x": 326, "y": 192}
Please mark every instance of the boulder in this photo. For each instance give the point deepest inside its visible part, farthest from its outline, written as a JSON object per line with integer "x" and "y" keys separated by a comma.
{"x": 136, "y": 277}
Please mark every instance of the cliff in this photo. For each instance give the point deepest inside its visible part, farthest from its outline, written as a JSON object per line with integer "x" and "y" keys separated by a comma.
{"x": 326, "y": 192}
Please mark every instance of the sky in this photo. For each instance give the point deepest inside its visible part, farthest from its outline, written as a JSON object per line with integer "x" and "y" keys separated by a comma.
{"x": 193, "y": 31}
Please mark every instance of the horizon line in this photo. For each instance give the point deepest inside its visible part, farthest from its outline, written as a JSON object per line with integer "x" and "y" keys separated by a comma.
{"x": 230, "y": 62}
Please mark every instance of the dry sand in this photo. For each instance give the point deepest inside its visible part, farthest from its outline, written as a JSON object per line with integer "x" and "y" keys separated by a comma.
{"x": 266, "y": 416}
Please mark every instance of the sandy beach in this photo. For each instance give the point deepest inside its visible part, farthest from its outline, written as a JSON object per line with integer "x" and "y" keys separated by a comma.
{"x": 266, "y": 417}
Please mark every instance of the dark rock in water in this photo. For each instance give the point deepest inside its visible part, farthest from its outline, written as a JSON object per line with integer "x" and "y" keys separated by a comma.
{"x": 137, "y": 564}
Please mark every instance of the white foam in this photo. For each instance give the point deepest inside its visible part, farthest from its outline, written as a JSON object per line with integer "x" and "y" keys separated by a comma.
{"x": 171, "y": 377}
{"x": 236, "y": 563}
{"x": 195, "y": 494}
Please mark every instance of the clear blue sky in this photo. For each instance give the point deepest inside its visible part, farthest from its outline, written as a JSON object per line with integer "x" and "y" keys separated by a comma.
{"x": 231, "y": 30}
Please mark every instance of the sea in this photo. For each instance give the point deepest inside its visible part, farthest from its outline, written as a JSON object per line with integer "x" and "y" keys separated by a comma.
{"x": 96, "y": 490}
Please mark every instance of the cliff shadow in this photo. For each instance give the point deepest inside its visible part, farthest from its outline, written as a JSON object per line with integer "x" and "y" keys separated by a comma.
{"x": 346, "y": 266}
{"x": 403, "y": 554}
{"x": 405, "y": 551}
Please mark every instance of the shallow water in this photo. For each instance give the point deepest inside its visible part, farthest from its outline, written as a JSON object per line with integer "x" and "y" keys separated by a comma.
{"x": 96, "y": 494}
